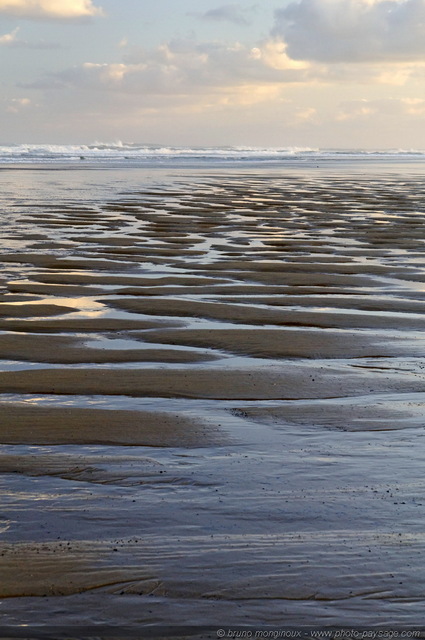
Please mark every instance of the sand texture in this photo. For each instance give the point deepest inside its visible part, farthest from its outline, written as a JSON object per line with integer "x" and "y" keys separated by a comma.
{"x": 212, "y": 399}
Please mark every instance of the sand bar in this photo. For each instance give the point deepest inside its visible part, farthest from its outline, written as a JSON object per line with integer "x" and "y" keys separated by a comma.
{"x": 70, "y": 350}
{"x": 23, "y": 310}
{"x": 96, "y": 325}
{"x": 285, "y": 383}
{"x": 289, "y": 342}
{"x": 257, "y": 315}
{"x": 22, "y": 424}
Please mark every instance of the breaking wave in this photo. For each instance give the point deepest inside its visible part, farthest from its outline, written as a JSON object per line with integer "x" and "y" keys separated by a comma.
{"x": 119, "y": 152}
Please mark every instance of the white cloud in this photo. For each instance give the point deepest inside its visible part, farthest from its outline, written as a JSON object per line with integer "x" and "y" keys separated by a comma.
{"x": 51, "y": 9}
{"x": 333, "y": 31}
{"x": 365, "y": 109}
{"x": 273, "y": 53}
{"x": 414, "y": 106}
{"x": 9, "y": 38}
{"x": 355, "y": 109}
{"x": 306, "y": 115}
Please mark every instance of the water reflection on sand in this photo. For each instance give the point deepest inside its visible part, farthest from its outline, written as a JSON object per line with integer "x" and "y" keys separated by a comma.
{"x": 212, "y": 396}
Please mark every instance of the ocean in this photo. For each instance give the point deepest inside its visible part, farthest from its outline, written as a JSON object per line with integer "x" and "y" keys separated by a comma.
{"x": 123, "y": 154}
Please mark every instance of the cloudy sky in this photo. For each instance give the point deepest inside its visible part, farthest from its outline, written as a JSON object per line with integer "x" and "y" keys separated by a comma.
{"x": 315, "y": 73}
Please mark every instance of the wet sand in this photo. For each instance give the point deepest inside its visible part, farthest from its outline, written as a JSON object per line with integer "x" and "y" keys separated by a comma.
{"x": 211, "y": 400}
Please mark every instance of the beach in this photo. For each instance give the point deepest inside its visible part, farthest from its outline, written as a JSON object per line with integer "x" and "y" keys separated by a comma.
{"x": 212, "y": 397}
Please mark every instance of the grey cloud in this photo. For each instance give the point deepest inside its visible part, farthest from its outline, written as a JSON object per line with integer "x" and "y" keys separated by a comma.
{"x": 44, "y": 84}
{"x": 353, "y": 30}
{"x": 227, "y": 13}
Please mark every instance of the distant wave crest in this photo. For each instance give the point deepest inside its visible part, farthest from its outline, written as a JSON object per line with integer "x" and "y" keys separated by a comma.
{"x": 149, "y": 153}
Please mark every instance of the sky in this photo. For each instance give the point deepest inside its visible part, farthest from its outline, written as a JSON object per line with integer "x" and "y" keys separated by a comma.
{"x": 269, "y": 73}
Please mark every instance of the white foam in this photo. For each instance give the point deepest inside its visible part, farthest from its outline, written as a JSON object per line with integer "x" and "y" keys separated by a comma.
{"x": 119, "y": 151}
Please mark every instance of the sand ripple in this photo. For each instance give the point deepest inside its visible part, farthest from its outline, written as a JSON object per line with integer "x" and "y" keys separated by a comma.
{"x": 212, "y": 395}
